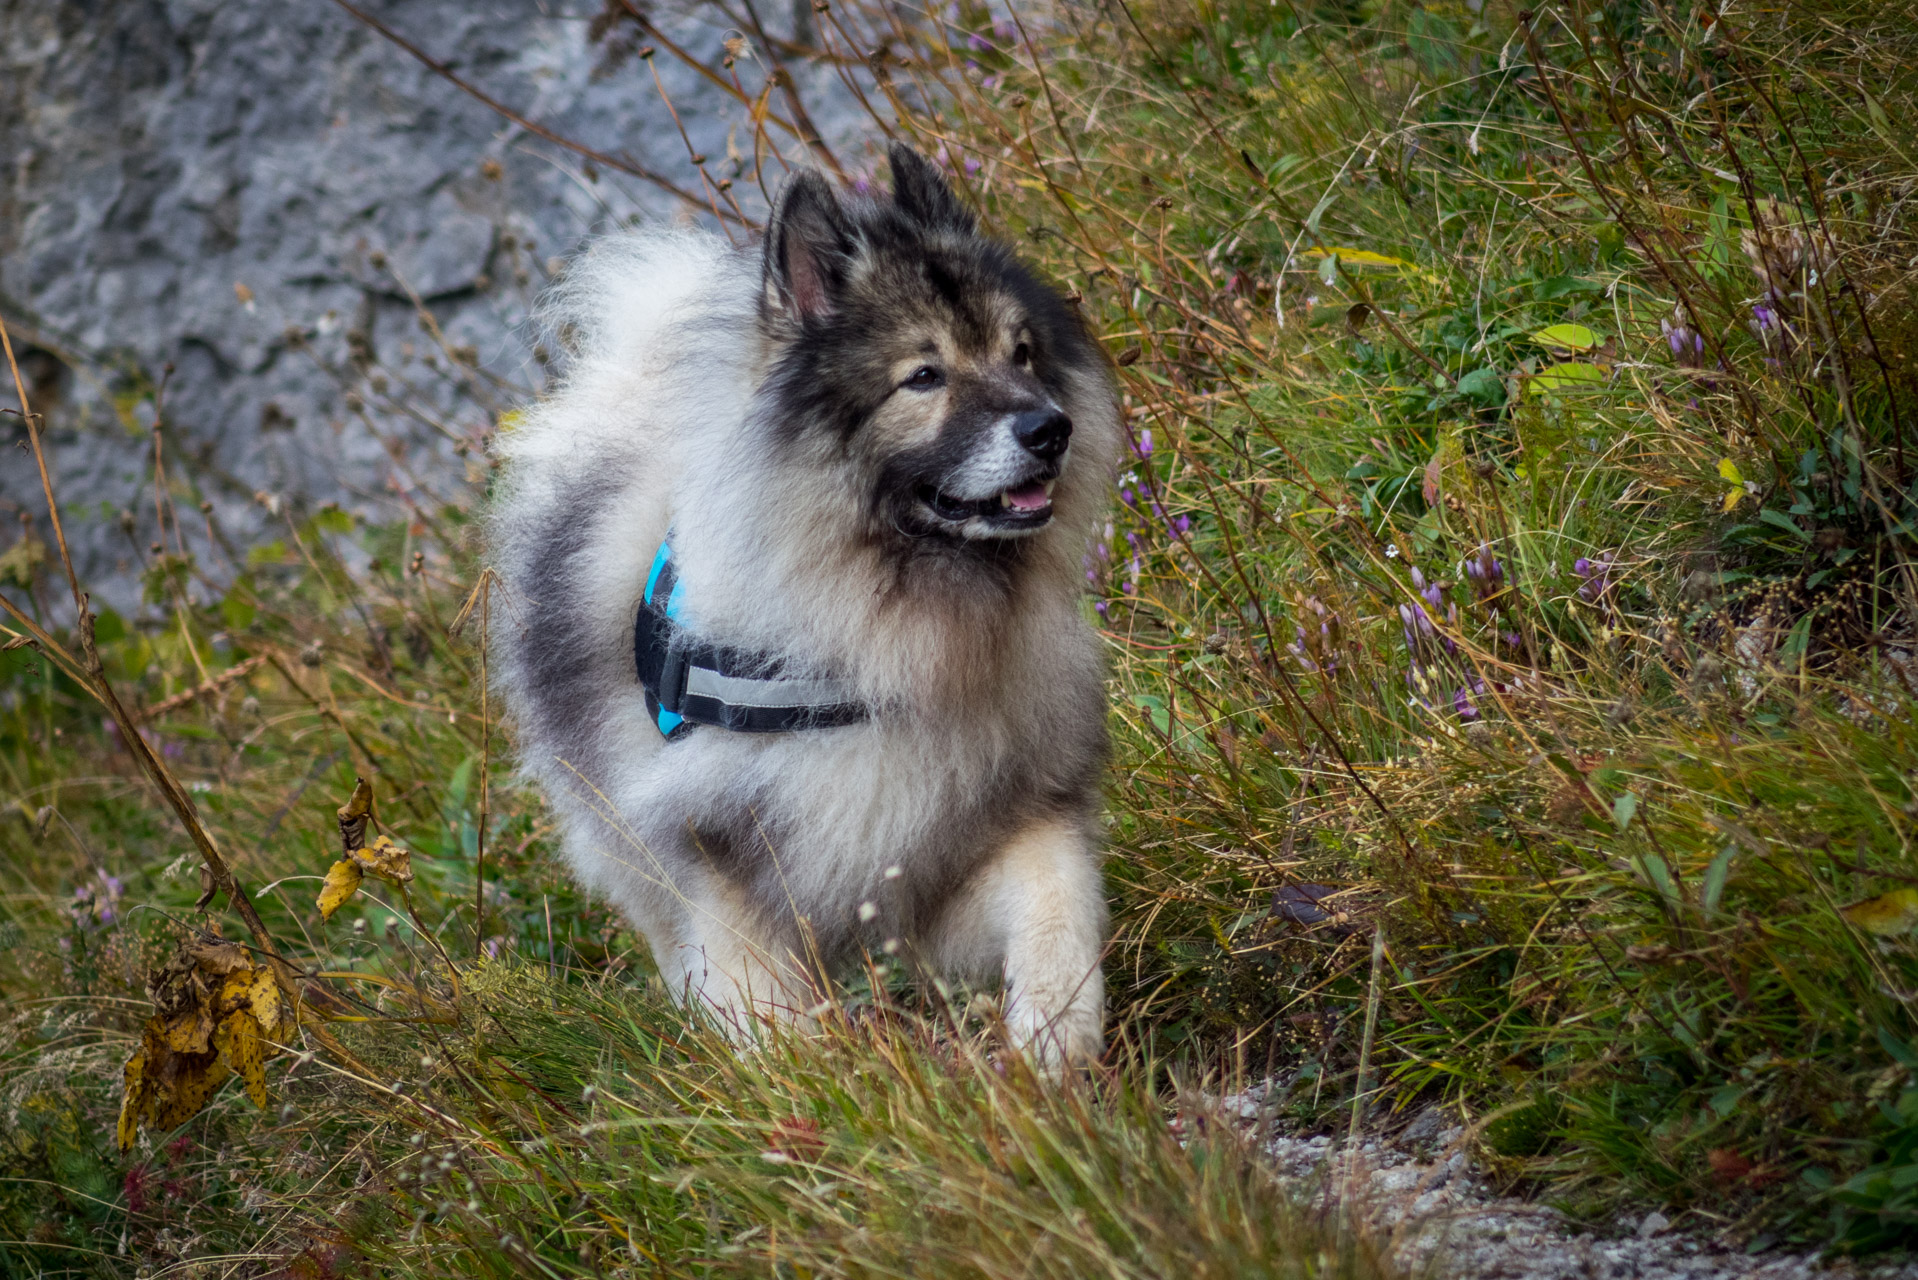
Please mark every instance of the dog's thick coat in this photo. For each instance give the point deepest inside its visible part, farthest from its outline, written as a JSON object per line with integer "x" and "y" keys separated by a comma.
{"x": 848, "y": 433}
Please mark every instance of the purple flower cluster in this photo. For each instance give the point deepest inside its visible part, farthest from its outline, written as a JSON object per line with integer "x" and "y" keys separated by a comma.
{"x": 1486, "y": 573}
{"x": 1441, "y": 679}
{"x": 1319, "y": 649}
{"x": 1687, "y": 343}
{"x": 1594, "y": 578}
{"x": 1148, "y": 522}
{"x": 97, "y": 904}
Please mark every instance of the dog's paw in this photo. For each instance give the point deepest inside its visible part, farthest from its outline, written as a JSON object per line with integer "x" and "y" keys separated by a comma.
{"x": 1054, "y": 1041}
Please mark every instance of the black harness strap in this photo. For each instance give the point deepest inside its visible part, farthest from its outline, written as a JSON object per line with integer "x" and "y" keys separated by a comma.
{"x": 689, "y": 681}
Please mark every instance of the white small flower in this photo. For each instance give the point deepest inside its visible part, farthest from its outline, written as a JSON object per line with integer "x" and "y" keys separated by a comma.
{"x": 893, "y": 872}
{"x": 1391, "y": 551}
{"x": 866, "y": 912}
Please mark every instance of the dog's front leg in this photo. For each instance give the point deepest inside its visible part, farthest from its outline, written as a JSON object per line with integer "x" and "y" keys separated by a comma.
{"x": 1038, "y": 910}
{"x": 729, "y": 960}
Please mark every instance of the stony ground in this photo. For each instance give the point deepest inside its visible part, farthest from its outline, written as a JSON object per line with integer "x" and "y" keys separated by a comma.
{"x": 1442, "y": 1216}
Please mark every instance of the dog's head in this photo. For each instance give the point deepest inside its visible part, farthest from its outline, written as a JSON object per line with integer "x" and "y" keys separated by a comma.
{"x": 958, "y": 389}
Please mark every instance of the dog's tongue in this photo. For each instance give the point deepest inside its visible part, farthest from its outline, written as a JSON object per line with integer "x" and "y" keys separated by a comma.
{"x": 1028, "y": 497}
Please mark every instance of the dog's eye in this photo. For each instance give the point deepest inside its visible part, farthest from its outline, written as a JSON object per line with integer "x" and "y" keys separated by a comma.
{"x": 1022, "y": 355}
{"x": 926, "y": 378}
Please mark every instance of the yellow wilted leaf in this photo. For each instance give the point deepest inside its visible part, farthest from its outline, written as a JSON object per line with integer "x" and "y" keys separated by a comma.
{"x": 354, "y": 814}
{"x": 1361, "y": 257}
{"x": 254, "y": 992}
{"x": 386, "y": 860}
{"x": 139, "y": 1093}
{"x": 1728, "y": 472}
{"x": 215, "y": 1012}
{"x": 189, "y": 1079}
{"x": 342, "y": 882}
{"x": 1887, "y": 915}
{"x": 187, "y": 1032}
{"x": 240, "y": 1046}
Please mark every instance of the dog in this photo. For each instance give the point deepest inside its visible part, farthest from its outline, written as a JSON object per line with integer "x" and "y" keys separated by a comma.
{"x": 792, "y": 629}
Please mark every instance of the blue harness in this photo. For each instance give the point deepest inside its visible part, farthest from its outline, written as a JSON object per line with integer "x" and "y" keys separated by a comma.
{"x": 689, "y": 681}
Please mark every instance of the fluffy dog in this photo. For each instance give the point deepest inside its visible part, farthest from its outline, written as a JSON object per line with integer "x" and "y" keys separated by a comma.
{"x": 868, "y": 711}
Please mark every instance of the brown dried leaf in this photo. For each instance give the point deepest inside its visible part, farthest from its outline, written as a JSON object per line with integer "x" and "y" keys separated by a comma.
{"x": 219, "y": 957}
{"x": 386, "y": 860}
{"x": 342, "y": 882}
{"x": 354, "y": 815}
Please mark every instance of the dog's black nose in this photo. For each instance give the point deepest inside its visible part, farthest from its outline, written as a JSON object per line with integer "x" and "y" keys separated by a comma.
{"x": 1043, "y": 432}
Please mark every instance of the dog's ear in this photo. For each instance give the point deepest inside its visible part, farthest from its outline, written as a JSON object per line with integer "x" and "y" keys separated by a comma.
{"x": 923, "y": 195}
{"x": 808, "y": 249}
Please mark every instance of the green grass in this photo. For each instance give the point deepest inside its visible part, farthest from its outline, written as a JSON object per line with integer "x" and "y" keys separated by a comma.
{"x": 1606, "y": 794}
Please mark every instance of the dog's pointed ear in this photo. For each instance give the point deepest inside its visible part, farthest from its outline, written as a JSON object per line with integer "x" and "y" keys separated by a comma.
{"x": 809, "y": 249}
{"x": 922, "y": 193}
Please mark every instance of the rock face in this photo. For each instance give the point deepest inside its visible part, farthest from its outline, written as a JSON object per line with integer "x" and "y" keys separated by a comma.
{"x": 268, "y": 197}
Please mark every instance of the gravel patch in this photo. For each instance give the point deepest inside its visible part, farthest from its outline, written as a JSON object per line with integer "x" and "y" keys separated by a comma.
{"x": 1439, "y": 1215}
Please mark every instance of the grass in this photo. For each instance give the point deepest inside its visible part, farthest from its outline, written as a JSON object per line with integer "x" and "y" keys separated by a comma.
{"x": 1515, "y": 560}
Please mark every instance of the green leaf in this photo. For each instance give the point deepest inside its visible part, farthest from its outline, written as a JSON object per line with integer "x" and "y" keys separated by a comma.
{"x": 1573, "y": 337}
{"x": 1557, "y": 377}
{"x": 1329, "y": 268}
{"x": 1624, "y": 809}
{"x": 1715, "y": 876}
{"x": 1659, "y": 875}
{"x": 1318, "y": 210}
{"x": 273, "y": 552}
{"x": 1483, "y": 386}
{"x": 1155, "y": 708}
{"x": 1785, "y": 522}
{"x": 237, "y": 613}
{"x": 333, "y": 520}
{"x": 109, "y": 627}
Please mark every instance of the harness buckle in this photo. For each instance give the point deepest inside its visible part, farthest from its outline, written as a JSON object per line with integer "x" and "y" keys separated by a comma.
{"x": 672, "y": 678}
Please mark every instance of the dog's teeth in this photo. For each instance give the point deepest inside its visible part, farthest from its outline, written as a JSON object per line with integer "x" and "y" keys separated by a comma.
{"x": 1049, "y": 485}
{"x": 1005, "y": 498}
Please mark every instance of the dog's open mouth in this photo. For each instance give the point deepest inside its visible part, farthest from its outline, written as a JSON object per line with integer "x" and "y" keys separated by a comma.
{"x": 1027, "y": 506}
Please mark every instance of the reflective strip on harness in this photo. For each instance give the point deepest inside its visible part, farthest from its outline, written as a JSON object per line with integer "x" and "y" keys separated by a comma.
{"x": 691, "y": 682}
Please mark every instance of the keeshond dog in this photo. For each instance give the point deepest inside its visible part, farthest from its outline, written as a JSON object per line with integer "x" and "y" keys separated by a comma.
{"x": 791, "y": 627}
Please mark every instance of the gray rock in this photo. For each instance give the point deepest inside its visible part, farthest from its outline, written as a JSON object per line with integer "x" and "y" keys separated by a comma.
{"x": 259, "y": 194}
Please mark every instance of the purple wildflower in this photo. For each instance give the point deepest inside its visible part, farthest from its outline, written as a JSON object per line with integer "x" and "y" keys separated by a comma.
{"x": 1183, "y": 524}
{"x": 978, "y": 43}
{"x": 1595, "y": 576}
{"x": 1144, "y": 447}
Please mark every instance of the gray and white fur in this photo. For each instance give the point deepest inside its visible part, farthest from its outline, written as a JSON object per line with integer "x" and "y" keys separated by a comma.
{"x": 881, "y": 445}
